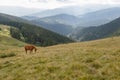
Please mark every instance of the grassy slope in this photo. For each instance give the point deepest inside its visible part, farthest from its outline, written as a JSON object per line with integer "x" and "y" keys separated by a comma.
{"x": 6, "y": 39}
{"x": 94, "y": 60}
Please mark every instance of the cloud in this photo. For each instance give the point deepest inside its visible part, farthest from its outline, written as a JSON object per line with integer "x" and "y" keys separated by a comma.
{"x": 63, "y": 0}
{"x": 43, "y": 1}
{"x": 50, "y": 4}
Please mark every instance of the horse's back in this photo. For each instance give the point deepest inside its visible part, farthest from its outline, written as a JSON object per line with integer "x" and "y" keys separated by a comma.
{"x": 29, "y": 47}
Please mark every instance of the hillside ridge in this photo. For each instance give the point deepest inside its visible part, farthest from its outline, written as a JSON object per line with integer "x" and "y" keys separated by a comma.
{"x": 97, "y": 59}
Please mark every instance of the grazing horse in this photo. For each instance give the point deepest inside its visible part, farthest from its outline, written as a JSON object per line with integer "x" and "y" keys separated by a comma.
{"x": 30, "y": 47}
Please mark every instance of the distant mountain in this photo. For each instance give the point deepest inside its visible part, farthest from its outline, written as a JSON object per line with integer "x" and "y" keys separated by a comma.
{"x": 99, "y": 17}
{"x": 31, "y": 33}
{"x": 62, "y": 18}
{"x": 60, "y": 28}
{"x": 97, "y": 32}
{"x": 62, "y": 23}
{"x": 6, "y": 17}
{"x": 71, "y": 10}
{"x": 64, "y": 10}
{"x": 93, "y": 18}
{"x": 30, "y": 17}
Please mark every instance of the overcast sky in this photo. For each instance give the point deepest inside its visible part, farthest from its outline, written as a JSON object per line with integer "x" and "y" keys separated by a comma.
{"x": 51, "y": 4}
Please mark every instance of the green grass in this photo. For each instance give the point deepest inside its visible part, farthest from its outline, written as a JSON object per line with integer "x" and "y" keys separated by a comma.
{"x": 6, "y": 39}
{"x": 5, "y": 30}
{"x": 94, "y": 60}
{"x": 3, "y": 55}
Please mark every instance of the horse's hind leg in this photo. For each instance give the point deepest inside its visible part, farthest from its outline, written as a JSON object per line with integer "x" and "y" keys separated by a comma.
{"x": 26, "y": 51}
{"x": 35, "y": 50}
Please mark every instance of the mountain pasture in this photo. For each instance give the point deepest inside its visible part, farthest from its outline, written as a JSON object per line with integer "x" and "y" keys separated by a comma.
{"x": 93, "y": 60}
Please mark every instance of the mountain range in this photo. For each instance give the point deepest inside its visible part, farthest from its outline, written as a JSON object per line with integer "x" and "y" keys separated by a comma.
{"x": 60, "y": 28}
{"x": 62, "y": 23}
{"x": 99, "y": 17}
{"x": 100, "y": 21}
{"x": 65, "y": 23}
{"x": 71, "y": 10}
{"x": 97, "y": 32}
{"x": 27, "y": 32}
{"x": 94, "y": 18}
{"x": 62, "y": 18}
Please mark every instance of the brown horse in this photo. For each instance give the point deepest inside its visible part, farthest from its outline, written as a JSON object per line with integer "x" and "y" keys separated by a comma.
{"x": 30, "y": 47}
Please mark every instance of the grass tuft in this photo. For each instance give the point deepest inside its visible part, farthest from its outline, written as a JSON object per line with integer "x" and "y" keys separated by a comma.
{"x": 3, "y": 55}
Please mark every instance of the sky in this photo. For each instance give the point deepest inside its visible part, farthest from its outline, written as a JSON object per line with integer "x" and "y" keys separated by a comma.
{"x": 24, "y": 7}
{"x": 51, "y": 4}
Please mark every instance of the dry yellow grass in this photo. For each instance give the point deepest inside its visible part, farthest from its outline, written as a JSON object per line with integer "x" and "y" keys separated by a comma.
{"x": 94, "y": 60}
{"x": 5, "y": 30}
